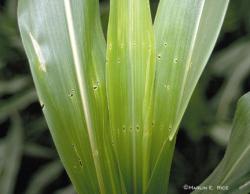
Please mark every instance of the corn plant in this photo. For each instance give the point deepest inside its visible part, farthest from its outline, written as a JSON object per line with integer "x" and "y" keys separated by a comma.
{"x": 113, "y": 107}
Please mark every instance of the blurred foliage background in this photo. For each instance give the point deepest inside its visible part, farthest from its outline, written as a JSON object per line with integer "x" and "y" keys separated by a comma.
{"x": 29, "y": 163}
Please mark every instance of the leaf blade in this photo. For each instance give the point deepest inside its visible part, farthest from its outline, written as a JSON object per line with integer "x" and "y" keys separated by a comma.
{"x": 130, "y": 76}
{"x": 179, "y": 27}
{"x": 233, "y": 170}
{"x": 60, "y": 38}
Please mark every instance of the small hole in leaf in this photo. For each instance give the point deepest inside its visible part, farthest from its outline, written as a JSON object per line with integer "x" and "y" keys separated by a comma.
{"x": 118, "y": 60}
{"x": 71, "y": 94}
{"x": 110, "y": 46}
{"x": 81, "y": 164}
{"x": 167, "y": 86}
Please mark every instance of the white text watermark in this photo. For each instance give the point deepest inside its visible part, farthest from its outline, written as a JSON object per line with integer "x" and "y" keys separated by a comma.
{"x": 206, "y": 187}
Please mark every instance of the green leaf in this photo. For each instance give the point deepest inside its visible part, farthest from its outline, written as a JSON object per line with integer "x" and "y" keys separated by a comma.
{"x": 234, "y": 170}
{"x": 14, "y": 85}
{"x": 67, "y": 190}
{"x": 130, "y": 75}
{"x": 36, "y": 150}
{"x": 16, "y": 103}
{"x": 43, "y": 177}
{"x": 13, "y": 149}
{"x": 66, "y": 51}
{"x": 35, "y": 128}
{"x": 185, "y": 35}
{"x": 184, "y": 42}
{"x": 220, "y": 133}
{"x": 114, "y": 123}
{"x": 224, "y": 65}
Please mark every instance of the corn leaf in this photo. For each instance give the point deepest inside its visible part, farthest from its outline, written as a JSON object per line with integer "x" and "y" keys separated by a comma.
{"x": 130, "y": 75}
{"x": 185, "y": 34}
{"x": 66, "y": 51}
{"x": 12, "y": 155}
{"x": 114, "y": 112}
{"x": 234, "y": 170}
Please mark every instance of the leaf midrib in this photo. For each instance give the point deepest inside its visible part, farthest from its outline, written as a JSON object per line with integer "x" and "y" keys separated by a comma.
{"x": 83, "y": 94}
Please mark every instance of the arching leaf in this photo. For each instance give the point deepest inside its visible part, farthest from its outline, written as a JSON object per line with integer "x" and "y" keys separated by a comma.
{"x": 234, "y": 170}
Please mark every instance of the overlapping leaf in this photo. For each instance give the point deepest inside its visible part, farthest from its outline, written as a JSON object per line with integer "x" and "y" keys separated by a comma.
{"x": 234, "y": 170}
{"x": 114, "y": 123}
{"x": 130, "y": 76}
{"x": 66, "y": 50}
{"x": 185, "y": 34}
